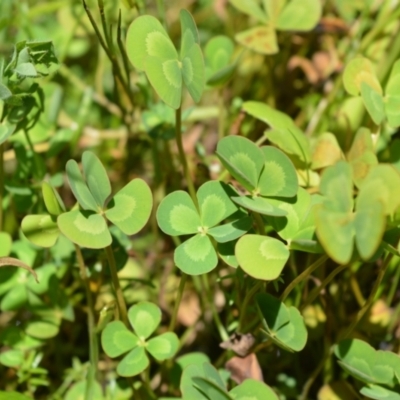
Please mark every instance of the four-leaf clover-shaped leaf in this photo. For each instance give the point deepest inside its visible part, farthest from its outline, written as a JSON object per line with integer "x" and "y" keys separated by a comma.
{"x": 129, "y": 209}
{"x": 117, "y": 339}
{"x": 150, "y": 49}
{"x": 177, "y": 215}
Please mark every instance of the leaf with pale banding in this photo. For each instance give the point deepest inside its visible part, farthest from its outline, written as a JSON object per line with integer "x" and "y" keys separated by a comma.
{"x": 144, "y": 318}
{"x": 163, "y": 346}
{"x": 41, "y": 230}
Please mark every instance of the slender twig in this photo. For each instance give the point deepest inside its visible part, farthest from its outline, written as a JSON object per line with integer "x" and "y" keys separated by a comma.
{"x": 221, "y": 329}
{"x": 117, "y": 288}
{"x": 178, "y": 135}
{"x": 317, "y": 290}
{"x": 248, "y": 297}
{"x": 371, "y": 297}
{"x": 308, "y": 271}
{"x": 110, "y": 55}
{"x": 100, "y": 4}
{"x": 122, "y": 50}
{"x": 177, "y": 302}
{"x": 93, "y": 341}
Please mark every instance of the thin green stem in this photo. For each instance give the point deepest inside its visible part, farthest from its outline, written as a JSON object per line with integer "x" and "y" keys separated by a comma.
{"x": 221, "y": 116}
{"x": 100, "y": 4}
{"x": 182, "y": 157}
{"x": 371, "y": 297}
{"x": 1, "y": 184}
{"x": 34, "y": 155}
{"x": 117, "y": 288}
{"x": 221, "y": 329}
{"x": 109, "y": 53}
{"x": 308, "y": 271}
{"x": 394, "y": 286}
{"x": 355, "y": 287}
{"x": 247, "y": 298}
{"x": 259, "y": 223}
{"x": 178, "y": 302}
{"x": 121, "y": 47}
{"x": 93, "y": 341}
{"x": 317, "y": 290}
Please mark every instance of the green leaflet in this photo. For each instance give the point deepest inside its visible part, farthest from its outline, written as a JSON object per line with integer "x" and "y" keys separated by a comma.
{"x": 261, "y": 257}
{"x": 150, "y": 49}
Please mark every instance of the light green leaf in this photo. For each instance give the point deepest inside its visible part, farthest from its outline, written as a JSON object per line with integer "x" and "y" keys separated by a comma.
{"x": 166, "y": 78}
{"x": 12, "y": 358}
{"x": 250, "y": 389}
{"x": 284, "y": 325}
{"x": 52, "y": 200}
{"x": 259, "y": 205}
{"x": 215, "y": 203}
{"x": 147, "y": 37}
{"x": 131, "y": 207}
{"x": 193, "y": 72}
{"x": 210, "y": 389}
{"x": 393, "y": 83}
{"x": 278, "y": 178}
{"x": 373, "y": 102}
{"x": 133, "y": 363}
{"x": 299, "y": 15}
{"x": 360, "y": 70}
{"x": 79, "y": 187}
{"x": 96, "y": 177}
{"x": 78, "y": 391}
{"x": 361, "y": 155}
{"x": 218, "y": 53}
{"x": 196, "y": 256}
{"x": 144, "y": 318}
{"x": 163, "y": 346}
{"x": 261, "y": 257}
{"x": 297, "y": 211}
{"x": 379, "y": 393}
{"x": 15, "y": 297}
{"x": 41, "y": 230}
{"x": 5, "y": 244}
{"x": 26, "y": 70}
{"x": 177, "y": 215}
{"x": 261, "y": 39}
{"x": 285, "y": 134}
{"x": 242, "y": 158}
{"x": 392, "y": 110}
{"x": 116, "y": 339}
{"x": 335, "y": 231}
{"x": 13, "y": 396}
{"x": 6, "y": 130}
{"x": 250, "y": 7}
{"x": 189, "y": 33}
{"x": 232, "y": 230}
{"x": 85, "y": 229}
{"x": 41, "y": 329}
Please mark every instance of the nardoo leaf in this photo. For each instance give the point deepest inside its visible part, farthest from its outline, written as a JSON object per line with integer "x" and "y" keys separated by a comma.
{"x": 261, "y": 257}
{"x": 144, "y": 318}
{"x": 177, "y": 215}
{"x": 131, "y": 207}
{"x": 251, "y": 389}
{"x": 196, "y": 256}
{"x": 299, "y": 15}
{"x": 96, "y": 177}
{"x": 41, "y": 230}
{"x": 84, "y": 228}
{"x": 163, "y": 346}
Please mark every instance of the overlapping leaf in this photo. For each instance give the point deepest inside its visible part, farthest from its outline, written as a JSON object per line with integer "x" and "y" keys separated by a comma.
{"x": 150, "y": 49}
{"x": 265, "y": 172}
{"x": 294, "y": 15}
{"x": 117, "y": 339}
{"x": 338, "y": 225}
{"x": 283, "y": 325}
{"x": 129, "y": 209}
{"x": 177, "y": 215}
{"x": 359, "y": 78}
